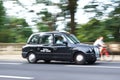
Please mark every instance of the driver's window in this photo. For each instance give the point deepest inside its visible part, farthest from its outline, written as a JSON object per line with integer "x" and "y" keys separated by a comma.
{"x": 59, "y": 39}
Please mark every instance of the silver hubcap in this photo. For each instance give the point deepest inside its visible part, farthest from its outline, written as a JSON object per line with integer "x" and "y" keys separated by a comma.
{"x": 32, "y": 57}
{"x": 79, "y": 57}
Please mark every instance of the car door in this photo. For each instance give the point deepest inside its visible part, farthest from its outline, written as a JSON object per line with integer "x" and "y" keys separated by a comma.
{"x": 44, "y": 49}
{"x": 60, "y": 50}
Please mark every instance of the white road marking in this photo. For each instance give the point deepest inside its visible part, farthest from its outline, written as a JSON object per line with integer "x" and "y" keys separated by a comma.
{"x": 11, "y": 63}
{"x": 107, "y": 67}
{"x": 16, "y": 77}
{"x": 108, "y": 61}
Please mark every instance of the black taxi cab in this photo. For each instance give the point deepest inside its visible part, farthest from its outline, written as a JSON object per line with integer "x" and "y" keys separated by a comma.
{"x": 58, "y": 46}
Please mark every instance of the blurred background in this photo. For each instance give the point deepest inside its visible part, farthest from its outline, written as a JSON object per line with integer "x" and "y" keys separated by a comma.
{"x": 87, "y": 19}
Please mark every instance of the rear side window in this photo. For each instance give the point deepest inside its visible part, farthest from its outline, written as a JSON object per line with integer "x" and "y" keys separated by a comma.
{"x": 46, "y": 39}
{"x": 34, "y": 39}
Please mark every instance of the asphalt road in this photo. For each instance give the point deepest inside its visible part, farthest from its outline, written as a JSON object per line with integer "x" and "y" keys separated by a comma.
{"x": 21, "y": 70}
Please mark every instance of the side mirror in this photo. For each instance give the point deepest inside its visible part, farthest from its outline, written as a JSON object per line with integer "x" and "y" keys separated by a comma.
{"x": 66, "y": 43}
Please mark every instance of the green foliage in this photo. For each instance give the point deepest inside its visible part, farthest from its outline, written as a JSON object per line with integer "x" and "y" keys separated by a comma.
{"x": 23, "y": 35}
{"x": 113, "y": 22}
{"x": 47, "y": 16}
{"x": 20, "y": 29}
{"x": 17, "y": 22}
{"x": 113, "y": 25}
{"x": 42, "y": 27}
{"x": 5, "y": 36}
{"x": 68, "y": 7}
{"x": 92, "y": 30}
{"x": 2, "y": 15}
{"x": 15, "y": 30}
{"x": 109, "y": 28}
{"x": 48, "y": 22}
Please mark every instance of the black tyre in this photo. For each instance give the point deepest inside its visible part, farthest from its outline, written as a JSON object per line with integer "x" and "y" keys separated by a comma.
{"x": 80, "y": 59}
{"x": 32, "y": 58}
{"x": 91, "y": 61}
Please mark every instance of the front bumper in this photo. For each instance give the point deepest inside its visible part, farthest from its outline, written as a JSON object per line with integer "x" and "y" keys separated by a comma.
{"x": 24, "y": 54}
{"x": 91, "y": 57}
{"x": 97, "y": 52}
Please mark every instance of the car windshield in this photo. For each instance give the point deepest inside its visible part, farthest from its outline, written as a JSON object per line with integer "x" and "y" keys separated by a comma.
{"x": 72, "y": 38}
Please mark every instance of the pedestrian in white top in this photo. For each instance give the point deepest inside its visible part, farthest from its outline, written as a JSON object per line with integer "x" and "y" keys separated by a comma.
{"x": 101, "y": 45}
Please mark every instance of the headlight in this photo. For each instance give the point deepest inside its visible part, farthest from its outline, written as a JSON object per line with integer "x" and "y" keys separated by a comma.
{"x": 90, "y": 51}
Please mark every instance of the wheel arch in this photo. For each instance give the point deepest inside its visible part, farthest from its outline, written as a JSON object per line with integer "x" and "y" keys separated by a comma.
{"x": 29, "y": 53}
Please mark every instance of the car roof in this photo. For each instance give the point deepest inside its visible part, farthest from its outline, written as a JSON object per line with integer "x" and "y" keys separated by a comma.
{"x": 57, "y": 32}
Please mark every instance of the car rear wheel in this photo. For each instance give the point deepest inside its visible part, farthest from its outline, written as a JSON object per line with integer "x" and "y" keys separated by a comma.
{"x": 79, "y": 59}
{"x": 32, "y": 58}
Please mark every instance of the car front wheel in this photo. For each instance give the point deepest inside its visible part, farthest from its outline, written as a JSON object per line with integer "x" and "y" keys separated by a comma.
{"x": 79, "y": 59}
{"x": 32, "y": 58}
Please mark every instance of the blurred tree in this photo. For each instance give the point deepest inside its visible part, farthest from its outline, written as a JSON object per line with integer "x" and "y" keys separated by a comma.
{"x": 11, "y": 28}
{"x": 42, "y": 27}
{"x": 19, "y": 29}
{"x": 90, "y": 31}
{"x": 2, "y": 15}
{"x": 72, "y": 5}
{"x": 68, "y": 7}
{"x": 100, "y": 9}
{"x": 23, "y": 34}
{"x": 48, "y": 21}
{"x": 113, "y": 23}
{"x": 14, "y": 22}
{"x": 15, "y": 30}
{"x": 4, "y": 36}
